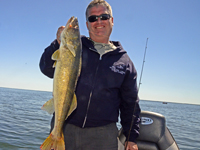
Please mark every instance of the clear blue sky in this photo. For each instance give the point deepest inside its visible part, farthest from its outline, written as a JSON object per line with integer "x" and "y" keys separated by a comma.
{"x": 172, "y": 67}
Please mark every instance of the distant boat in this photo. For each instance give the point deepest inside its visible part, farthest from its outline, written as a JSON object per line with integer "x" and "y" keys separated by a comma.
{"x": 164, "y": 102}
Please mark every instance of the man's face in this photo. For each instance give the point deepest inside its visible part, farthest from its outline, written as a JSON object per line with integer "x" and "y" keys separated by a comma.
{"x": 99, "y": 30}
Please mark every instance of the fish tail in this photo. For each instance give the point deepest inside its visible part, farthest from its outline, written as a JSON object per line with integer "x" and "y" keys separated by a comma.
{"x": 51, "y": 143}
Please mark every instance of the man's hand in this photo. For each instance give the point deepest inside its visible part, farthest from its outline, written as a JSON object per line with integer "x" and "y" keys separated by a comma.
{"x": 131, "y": 146}
{"x": 60, "y": 29}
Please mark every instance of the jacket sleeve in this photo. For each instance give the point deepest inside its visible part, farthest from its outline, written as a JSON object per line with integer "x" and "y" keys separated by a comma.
{"x": 130, "y": 104}
{"x": 46, "y": 63}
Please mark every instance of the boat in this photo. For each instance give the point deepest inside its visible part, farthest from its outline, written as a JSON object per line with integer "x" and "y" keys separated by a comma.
{"x": 164, "y": 102}
{"x": 154, "y": 134}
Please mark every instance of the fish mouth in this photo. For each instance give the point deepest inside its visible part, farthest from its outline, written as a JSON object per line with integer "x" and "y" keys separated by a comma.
{"x": 72, "y": 23}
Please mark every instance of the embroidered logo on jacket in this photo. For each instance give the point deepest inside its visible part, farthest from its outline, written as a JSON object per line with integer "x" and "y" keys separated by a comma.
{"x": 118, "y": 69}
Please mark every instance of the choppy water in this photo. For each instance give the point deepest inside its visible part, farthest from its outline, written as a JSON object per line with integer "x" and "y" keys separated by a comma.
{"x": 24, "y": 126}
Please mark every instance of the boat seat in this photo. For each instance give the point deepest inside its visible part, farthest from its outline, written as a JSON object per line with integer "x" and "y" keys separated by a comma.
{"x": 154, "y": 135}
{"x": 147, "y": 145}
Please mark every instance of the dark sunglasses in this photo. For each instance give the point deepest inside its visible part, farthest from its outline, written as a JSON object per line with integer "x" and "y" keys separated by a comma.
{"x": 94, "y": 18}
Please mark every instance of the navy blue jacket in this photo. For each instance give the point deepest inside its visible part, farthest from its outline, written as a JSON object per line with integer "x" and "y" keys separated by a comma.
{"x": 105, "y": 86}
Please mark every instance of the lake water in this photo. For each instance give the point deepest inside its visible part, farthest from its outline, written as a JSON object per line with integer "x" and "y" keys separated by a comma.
{"x": 24, "y": 126}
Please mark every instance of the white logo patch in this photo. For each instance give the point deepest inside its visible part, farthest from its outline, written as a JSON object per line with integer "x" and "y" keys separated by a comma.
{"x": 118, "y": 69}
{"x": 146, "y": 121}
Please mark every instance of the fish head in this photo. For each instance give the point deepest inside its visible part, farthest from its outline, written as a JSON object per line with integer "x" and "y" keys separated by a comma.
{"x": 71, "y": 34}
{"x": 72, "y": 26}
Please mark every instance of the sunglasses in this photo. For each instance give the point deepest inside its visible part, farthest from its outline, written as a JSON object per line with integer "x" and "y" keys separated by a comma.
{"x": 94, "y": 18}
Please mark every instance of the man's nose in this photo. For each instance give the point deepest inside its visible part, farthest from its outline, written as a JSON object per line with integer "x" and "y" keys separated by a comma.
{"x": 99, "y": 20}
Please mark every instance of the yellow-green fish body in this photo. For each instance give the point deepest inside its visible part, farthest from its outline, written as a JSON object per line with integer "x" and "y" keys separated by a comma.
{"x": 68, "y": 66}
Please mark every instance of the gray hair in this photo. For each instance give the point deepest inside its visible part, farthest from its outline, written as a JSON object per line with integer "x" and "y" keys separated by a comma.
{"x": 96, "y": 3}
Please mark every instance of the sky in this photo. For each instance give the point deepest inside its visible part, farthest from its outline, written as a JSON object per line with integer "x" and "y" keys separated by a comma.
{"x": 172, "y": 64}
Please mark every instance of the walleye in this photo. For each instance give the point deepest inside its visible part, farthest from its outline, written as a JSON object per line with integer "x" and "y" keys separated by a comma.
{"x": 67, "y": 70}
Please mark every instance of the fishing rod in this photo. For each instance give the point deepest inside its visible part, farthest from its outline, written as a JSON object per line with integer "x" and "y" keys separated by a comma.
{"x": 142, "y": 65}
{"x": 133, "y": 117}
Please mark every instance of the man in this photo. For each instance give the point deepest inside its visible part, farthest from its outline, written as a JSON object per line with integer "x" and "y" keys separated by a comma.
{"x": 107, "y": 85}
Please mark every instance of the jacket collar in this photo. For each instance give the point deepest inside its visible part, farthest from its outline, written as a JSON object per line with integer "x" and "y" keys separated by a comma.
{"x": 88, "y": 43}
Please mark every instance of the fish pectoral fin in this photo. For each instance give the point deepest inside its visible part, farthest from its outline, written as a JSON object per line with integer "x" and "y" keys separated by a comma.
{"x": 71, "y": 48}
{"x": 72, "y": 107}
{"x": 49, "y": 106}
{"x": 56, "y": 55}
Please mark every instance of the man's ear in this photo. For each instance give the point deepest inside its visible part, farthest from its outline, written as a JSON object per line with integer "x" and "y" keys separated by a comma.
{"x": 87, "y": 25}
{"x": 112, "y": 21}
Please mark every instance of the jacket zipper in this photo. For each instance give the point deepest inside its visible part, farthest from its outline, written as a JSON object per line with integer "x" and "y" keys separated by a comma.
{"x": 91, "y": 90}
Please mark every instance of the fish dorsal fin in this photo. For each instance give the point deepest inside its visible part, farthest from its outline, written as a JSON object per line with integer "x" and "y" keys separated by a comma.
{"x": 56, "y": 55}
{"x": 49, "y": 106}
{"x": 72, "y": 107}
{"x": 71, "y": 48}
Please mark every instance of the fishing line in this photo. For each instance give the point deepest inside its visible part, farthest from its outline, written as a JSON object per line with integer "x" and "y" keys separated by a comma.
{"x": 133, "y": 117}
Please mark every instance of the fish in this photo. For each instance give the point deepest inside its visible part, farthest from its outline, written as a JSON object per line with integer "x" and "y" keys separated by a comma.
{"x": 67, "y": 71}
